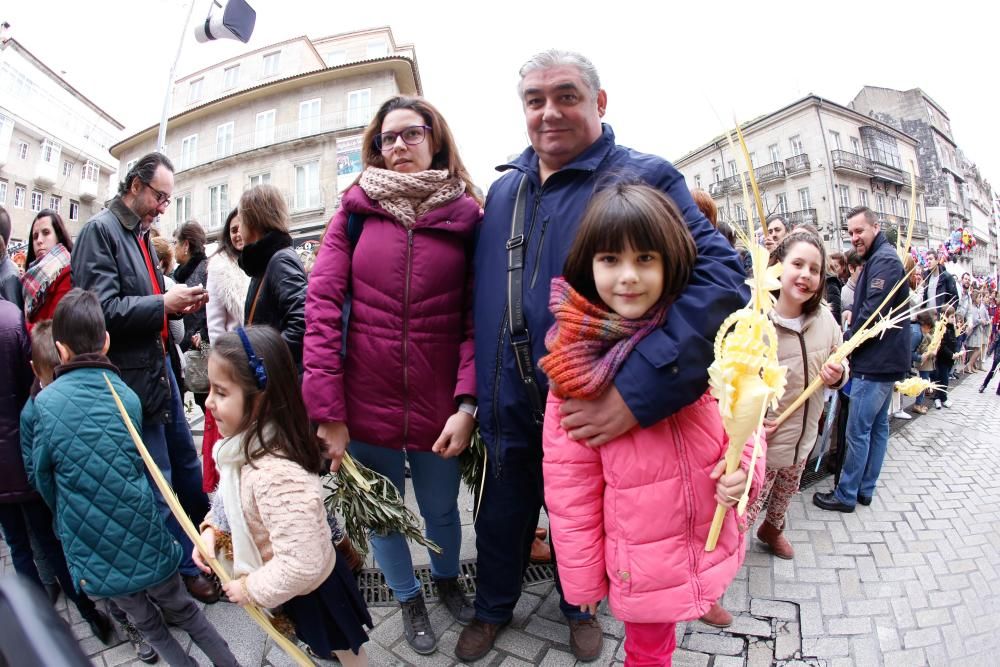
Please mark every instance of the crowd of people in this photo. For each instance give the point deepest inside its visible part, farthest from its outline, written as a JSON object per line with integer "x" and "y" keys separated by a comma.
{"x": 570, "y": 317}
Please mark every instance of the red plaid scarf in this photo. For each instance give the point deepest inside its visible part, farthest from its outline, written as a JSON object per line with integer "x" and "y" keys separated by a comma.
{"x": 40, "y": 276}
{"x": 589, "y": 343}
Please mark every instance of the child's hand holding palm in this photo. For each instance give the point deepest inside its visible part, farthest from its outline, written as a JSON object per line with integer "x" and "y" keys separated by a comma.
{"x": 729, "y": 487}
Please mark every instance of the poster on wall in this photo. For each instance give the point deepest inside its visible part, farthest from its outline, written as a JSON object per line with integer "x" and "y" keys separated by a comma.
{"x": 348, "y": 161}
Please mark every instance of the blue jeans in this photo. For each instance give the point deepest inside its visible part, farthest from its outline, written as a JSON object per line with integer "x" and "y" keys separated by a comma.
{"x": 920, "y": 397}
{"x": 435, "y": 483}
{"x": 867, "y": 439}
{"x": 172, "y": 448}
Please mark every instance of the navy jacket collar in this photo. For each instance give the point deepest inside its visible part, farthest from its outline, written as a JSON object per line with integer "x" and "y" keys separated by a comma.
{"x": 588, "y": 160}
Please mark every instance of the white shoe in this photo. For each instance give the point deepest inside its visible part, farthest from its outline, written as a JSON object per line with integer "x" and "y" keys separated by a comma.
{"x": 937, "y": 403}
{"x": 902, "y": 414}
{"x": 948, "y": 403}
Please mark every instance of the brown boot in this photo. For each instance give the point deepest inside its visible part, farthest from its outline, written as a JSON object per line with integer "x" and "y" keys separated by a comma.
{"x": 541, "y": 553}
{"x": 476, "y": 640}
{"x": 585, "y": 639}
{"x": 345, "y": 549}
{"x": 773, "y": 538}
{"x": 717, "y": 617}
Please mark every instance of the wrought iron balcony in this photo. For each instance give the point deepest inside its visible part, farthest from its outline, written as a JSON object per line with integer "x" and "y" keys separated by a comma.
{"x": 769, "y": 172}
{"x": 803, "y": 217}
{"x": 888, "y": 173}
{"x": 847, "y": 161}
{"x": 797, "y": 164}
{"x": 717, "y": 189}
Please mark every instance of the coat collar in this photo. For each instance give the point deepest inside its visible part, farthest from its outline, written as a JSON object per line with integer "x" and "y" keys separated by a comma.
{"x": 462, "y": 209}
{"x": 125, "y": 215}
{"x": 256, "y": 255}
{"x": 589, "y": 160}
{"x": 90, "y": 360}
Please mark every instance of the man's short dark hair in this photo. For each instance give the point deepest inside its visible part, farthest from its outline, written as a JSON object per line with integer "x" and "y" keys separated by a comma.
{"x": 5, "y": 227}
{"x": 776, "y": 217}
{"x": 932, "y": 253}
{"x": 144, "y": 170}
{"x": 863, "y": 210}
{"x": 78, "y": 322}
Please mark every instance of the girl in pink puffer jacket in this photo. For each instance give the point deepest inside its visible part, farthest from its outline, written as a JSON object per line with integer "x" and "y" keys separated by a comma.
{"x": 630, "y": 518}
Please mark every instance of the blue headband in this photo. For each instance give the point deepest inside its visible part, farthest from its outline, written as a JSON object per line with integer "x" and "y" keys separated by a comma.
{"x": 256, "y": 363}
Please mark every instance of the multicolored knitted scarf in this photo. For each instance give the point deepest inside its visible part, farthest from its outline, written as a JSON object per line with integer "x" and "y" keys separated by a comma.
{"x": 408, "y": 196}
{"x": 589, "y": 343}
{"x": 40, "y": 276}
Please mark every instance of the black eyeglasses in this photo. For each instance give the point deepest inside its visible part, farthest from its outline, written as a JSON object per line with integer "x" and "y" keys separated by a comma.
{"x": 413, "y": 135}
{"x": 160, "y": 196}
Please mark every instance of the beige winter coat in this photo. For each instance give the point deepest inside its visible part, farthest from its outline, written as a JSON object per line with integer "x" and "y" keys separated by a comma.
{"x": 803, "y": 355}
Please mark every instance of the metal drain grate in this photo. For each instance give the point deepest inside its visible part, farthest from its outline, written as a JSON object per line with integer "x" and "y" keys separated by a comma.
{"x": 812, "y": 476}
{"x": 377, "y": 593}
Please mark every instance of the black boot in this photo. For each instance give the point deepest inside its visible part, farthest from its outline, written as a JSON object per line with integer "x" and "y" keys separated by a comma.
{"x": 100, "y": 625}
{"x": 454, "y": 599}
{"x": 417, "y": 626}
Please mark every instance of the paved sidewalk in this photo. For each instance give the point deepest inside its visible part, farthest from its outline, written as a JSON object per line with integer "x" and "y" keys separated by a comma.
{"x": 911, "y": 580}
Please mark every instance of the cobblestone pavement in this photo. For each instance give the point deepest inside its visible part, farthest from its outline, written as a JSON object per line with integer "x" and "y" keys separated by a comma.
{"x": 910, "y": 580}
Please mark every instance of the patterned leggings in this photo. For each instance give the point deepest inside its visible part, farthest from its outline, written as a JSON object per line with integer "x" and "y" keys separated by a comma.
{"x": 780, "y": 485}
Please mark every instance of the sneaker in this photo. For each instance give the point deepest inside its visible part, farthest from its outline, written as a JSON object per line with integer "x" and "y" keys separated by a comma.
{"x": 948, "y": 403}
{"x": 417, "y": 626}
{"x": 451, "y": 595}
{"x": 937, "y": 403}
{"x": 902, "y": 414}
{"x": 143, "y": 651}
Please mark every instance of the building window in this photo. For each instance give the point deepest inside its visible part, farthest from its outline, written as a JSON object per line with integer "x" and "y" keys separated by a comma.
{"x": 844, "y": 193}
{"x": 189, "y": 151}
{"x": 19, "y": 191}
{"x": 716, "y": 174}
{"x": 307, "y": 192}
{"x": 22, "y": 150}
{"x": 805, "y": 203}
{"x": 183, "y": 208}
{"x": 67, "y": 168}
{"x": 782, "y": 206}
{"x": 697, "y": 180}
{"x": 55, "y": 202}
{"x": 732, "y": 168}
{"x": 359, "y": 103}
{"x": 856, "y": 145}
{"x": 224, "y": 139}
{"x": 905, "y": 205}
{"x": 919, "y": 214}
{"x": 264, "y": 129}
{"x": 892, "y": 206}
{"x": 795, "y": 145}
{"x": 753, "y": 159}
{"x": 271, "y": 63}
{"x": 376, "y": 48}
{"x": 880, "y": 203}
{"x": 74, "y": 210}
{"x": 194, "y": 90}
{"x": 862, "y": 196}
{"x": 334, "y": 58}
{"x": 881, "y": 147}
{"x": 218, "y": 205}
{"x": 3, "y": 192}
{"x": 309, "y": 117}
{"x": 260, "y": 179}
{"x": 774, "y": 152}
{"x": 50, "y": 151}
{"x": 834, "y": 140}
{"x": 36, "y": 201}
{"x": 91, "y": 172}
{"x": 230, "y": 77}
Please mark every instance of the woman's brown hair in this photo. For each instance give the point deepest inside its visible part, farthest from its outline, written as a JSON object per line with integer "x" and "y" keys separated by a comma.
{"x": 639, "y": 216}
{"x": 279, "y": 403}
{"x": 445, "y": 151}
{"x": 706, "y": 205}
{"x": 781, "y": 251}
{"x": 263, "y": 209}
{"x": 58, "y": 226}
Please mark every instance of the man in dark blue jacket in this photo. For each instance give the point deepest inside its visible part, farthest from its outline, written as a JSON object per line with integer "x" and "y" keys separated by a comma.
{"x": 876, "y": 365}
{"x": 571, "y": 155}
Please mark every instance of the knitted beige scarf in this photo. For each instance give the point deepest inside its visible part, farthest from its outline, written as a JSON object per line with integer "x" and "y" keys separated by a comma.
{"x": 408, "y": 196}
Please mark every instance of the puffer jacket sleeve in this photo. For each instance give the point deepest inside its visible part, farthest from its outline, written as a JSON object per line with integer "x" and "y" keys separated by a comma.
{"x": 291, "y": 507}
{"x": 465, "y": 384}
{"x": 668, "y": 370}
{"x": 27, "y": 431}
{"x": 323, "y": 381}
{"x": 287, "y": 279}
{"x": 95, "y": 267}
{"x": 39, "y": 468}
{"x": 574, "y": 500}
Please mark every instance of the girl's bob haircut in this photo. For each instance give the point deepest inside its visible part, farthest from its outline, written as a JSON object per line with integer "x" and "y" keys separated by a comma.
{"x": 279, "y": 403}
{"x": 631, "y": 215}
{"x": 800, "y": 235}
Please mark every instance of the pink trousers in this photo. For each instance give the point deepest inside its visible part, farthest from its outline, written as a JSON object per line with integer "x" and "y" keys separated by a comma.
{"x": 649, "y": 644}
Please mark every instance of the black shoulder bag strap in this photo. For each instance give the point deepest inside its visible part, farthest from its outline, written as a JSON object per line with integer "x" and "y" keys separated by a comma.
{"x": 520, "y": 339}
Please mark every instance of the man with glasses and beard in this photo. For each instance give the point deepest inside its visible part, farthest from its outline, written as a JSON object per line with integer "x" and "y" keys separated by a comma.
{"x": 114, "y": 258}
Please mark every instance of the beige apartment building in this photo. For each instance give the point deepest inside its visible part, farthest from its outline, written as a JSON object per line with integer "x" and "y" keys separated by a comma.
{"x": 814, "y": 160}
{"x": 53, "y": 145}
{"x": 289, "y": 114}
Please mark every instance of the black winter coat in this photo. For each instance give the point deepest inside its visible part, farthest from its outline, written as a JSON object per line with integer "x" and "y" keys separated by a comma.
{"x": 194, "y": 272}
{"x": 833, "y": 288}
{"x": 947, "y": 291}
{"x": 15, "y": 384}
{"x": 278, "y": 285}
{"x": 108, "y": 261}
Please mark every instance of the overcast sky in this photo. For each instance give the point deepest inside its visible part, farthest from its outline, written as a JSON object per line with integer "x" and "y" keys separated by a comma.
{"x": 673, "y": 75}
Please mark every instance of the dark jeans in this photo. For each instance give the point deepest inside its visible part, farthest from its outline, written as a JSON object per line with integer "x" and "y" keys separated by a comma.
{"x": 505, "y": 530}
{"x": 17, "y": 519}
{"x": 169, "y": 602}
{"x": 993, "y": 368}
{"x": 172, "y": 448}
{"x": 942, "y": 375}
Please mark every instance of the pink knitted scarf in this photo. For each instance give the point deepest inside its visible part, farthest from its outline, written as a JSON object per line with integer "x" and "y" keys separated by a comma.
{"x": 589, "y": 343}
{"x": 408, "y": 196}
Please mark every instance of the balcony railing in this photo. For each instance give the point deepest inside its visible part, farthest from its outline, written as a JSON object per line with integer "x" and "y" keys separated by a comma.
{"x": 957, "y": 209}
{"x": 887, "y": 173}
{"x": 717, "y": 189}
{"x": 769, "y": 172}
{"x": 850, "y": 162}
{"x": 806, "y": 216}
{"x": 797, "y": 164}
{"x": 211, "y": 150}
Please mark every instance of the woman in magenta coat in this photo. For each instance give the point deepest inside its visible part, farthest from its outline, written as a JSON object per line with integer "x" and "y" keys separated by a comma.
{"x": 402, "y": 387}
